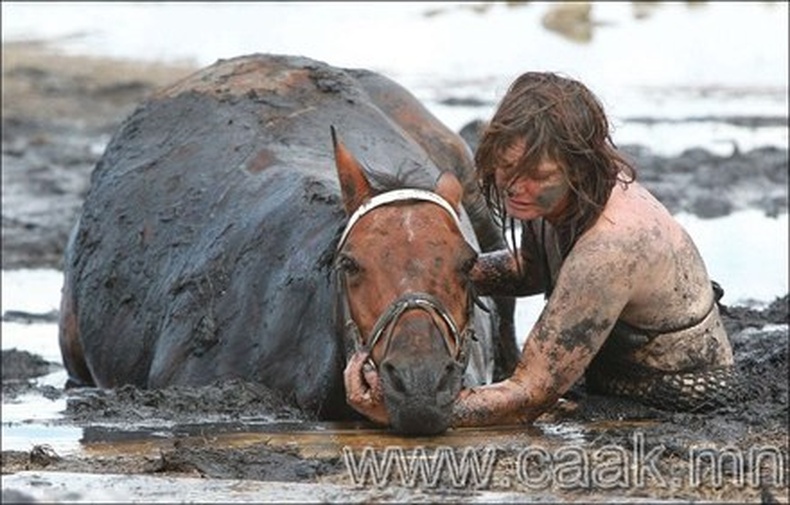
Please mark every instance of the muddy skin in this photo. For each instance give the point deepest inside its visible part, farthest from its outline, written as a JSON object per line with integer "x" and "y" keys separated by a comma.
{"x": 470, "y": 413}
{"x": 578, "y": 336}
{"x": 551, "y": 196}
{"x": 47, "y": 160}
{"x": 497, "y": 272}
{"x": 694, "y": 342}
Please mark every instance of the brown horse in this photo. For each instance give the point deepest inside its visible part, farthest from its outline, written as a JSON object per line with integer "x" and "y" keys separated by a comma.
{"x": 226, "y": 236}
{"x": 403, "y": 262}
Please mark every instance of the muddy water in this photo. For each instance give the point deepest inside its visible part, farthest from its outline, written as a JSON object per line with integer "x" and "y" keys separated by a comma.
{"x": 308, "y": 440}
{"x": 241, "y": 440}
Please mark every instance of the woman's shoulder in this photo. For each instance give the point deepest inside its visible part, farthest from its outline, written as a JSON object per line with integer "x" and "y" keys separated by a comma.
{"x": 633, "y": 212}
{"x": 632, "y": 226}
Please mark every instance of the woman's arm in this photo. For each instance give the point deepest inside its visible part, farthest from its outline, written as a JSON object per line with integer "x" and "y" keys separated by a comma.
{"x": 498, "y": 273}
{"x": 513, "y": 273}
{"x": 594, "y": 284}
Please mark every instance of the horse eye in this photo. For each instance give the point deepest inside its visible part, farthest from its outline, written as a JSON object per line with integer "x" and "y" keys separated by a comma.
{"x": 348, "y": 265}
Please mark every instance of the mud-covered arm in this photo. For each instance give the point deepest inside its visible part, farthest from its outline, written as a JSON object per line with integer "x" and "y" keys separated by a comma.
{"x": 588, "y": 298}
{"x": 497, "y": 273}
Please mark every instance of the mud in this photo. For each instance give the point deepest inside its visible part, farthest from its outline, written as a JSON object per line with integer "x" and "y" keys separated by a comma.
{"x": 59, "y": 112}
{"x": 236, "y": 430}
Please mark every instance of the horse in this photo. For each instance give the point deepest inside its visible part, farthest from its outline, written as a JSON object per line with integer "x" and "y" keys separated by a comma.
{"x": 230, "y": 232}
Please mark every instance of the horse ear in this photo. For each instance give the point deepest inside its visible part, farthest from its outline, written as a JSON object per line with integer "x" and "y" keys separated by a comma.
{"x": 449, "y": 187}
{"x": 354, "y": 184}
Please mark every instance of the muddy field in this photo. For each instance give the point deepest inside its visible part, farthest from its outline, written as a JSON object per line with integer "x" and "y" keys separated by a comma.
{"x": 59, "y": 112}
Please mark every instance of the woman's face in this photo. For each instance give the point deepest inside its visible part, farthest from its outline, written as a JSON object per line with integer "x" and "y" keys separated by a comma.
{"x": 542, "y": 193}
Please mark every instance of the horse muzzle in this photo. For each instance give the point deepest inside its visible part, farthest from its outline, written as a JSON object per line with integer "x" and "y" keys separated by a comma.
{"x": 420, "y": 390}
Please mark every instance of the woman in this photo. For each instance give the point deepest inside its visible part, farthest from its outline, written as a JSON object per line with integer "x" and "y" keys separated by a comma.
{"x": 628, "y": 298}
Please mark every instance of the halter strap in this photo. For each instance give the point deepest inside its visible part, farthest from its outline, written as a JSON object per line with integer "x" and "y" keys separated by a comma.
{"x": 394, "y": 196}
{"x": 457, "y": 344}
{"x": 426, "y": 302}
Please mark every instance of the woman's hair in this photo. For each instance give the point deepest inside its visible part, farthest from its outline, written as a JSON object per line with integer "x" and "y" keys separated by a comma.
{"x": 561, "y": 120}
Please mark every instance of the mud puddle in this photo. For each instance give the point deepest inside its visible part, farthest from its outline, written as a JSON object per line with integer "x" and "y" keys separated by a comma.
{"x": 238, "y": 441}
{"x": 301, "y": 460}
{"x": 307, "y": 439}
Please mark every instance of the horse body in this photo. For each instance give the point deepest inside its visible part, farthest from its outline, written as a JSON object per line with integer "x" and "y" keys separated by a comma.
{"x": 205, "y": 247}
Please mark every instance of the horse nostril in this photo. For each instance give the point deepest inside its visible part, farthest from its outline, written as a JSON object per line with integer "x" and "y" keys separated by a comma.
{"x": 394, "y": 377}
{"x": 447, "y": 378}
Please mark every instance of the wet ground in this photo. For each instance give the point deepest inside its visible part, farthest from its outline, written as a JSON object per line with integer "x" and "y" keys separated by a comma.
{"x": 234, "y": 440}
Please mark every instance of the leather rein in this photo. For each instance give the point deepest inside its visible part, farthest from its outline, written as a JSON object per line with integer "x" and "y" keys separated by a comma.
{"x": 458, "y": 340}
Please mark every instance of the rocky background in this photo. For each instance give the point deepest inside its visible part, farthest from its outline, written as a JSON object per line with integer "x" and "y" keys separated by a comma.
{"x": 60, "y": 111}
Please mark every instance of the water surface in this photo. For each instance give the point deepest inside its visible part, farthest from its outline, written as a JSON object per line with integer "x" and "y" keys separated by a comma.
{"x": 680, "y": 60}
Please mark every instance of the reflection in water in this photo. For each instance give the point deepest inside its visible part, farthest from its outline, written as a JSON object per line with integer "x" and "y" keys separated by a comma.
{"x": 23, "y": 437}
{"x": 323, "y": 439}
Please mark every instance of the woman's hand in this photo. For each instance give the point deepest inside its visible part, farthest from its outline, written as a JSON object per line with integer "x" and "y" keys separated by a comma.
{"x": 363, "y": 388}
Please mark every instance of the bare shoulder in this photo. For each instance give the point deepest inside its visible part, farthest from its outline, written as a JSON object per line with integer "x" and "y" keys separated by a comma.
{"x": 633, "y": 208}
{"x": 657, "y": 256}
{"x": 634, "y": 227}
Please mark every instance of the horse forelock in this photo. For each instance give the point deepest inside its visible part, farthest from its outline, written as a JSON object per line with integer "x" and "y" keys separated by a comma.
{"x": 406, "y": 174}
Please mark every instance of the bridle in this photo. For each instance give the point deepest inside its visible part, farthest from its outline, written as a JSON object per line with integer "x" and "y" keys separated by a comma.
{"x": 458, "y": 339}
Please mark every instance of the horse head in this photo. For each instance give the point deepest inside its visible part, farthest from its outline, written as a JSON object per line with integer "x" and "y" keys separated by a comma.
{"x": 402, "y": 265}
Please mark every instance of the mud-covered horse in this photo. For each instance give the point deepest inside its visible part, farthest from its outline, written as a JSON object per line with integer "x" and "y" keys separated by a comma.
{"x": 225, "y": 235}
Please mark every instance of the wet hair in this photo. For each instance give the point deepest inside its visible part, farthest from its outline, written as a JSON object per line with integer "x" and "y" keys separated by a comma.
{"x": 560, "y": 120}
